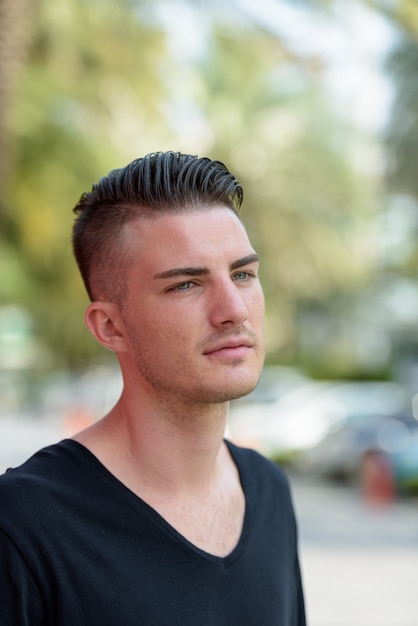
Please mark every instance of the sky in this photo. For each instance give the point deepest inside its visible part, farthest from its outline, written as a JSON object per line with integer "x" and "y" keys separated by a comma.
{"x": 352, "y": 39}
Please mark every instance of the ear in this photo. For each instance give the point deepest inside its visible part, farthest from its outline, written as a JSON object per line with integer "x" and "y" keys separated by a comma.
{"x": 104, "y": 322}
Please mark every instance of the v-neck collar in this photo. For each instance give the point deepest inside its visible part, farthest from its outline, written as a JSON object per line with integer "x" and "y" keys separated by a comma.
{"x": 221, "y": 562}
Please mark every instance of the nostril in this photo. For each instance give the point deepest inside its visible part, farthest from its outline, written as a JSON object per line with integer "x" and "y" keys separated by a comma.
{"x": 230, "y": 310}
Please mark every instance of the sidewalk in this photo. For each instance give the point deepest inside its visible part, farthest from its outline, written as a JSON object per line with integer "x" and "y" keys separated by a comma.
{"x": 359, "y": 565}
{"x": 360, "y": 587}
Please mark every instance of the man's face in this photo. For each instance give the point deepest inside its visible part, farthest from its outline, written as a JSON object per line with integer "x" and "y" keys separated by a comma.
{"x": 194, "y": 310}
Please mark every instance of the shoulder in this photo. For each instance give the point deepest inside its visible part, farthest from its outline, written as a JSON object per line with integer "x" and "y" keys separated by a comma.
{"x": 40, "y": 464}
{"x": 268, "y": 494}
{"x": 27, "y": 487}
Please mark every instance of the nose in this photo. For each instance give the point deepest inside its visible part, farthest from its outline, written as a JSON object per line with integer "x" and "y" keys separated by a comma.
{"x": 227, "y": 305}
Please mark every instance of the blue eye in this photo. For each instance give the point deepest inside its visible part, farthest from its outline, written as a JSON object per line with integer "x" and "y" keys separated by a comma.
{"x": 242, "y": 275}
{"x": 183, "y": 286}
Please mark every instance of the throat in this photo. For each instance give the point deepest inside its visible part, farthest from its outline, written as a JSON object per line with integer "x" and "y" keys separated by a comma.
{"x": 211, "y": 517}
{"x": 212, "y": 526}
{"x": 197, "y": 492}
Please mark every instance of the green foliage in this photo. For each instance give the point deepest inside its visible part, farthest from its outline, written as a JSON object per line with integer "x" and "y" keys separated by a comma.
{"x": 101, "y": 85}
{"x": 402, "y": 135}
{"x": 309, "y": 210}
{"x": 74, "y": 121}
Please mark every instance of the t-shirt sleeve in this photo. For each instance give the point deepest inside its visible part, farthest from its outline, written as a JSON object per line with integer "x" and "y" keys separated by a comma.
{"x": 20, "y": 600}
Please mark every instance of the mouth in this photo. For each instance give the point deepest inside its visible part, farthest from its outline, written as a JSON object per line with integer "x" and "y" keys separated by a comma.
{"x": 232, "y": 348}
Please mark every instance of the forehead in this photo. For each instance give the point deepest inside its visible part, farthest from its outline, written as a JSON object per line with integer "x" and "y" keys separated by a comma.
{"x": 198, "y": 236}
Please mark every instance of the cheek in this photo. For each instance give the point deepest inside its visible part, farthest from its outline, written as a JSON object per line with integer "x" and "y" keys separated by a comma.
{"x": 171, "y": 326}
{"x": 257, "y": 304}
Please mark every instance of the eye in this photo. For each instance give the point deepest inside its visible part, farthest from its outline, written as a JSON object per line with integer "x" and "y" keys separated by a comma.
{"x": 243, "y": 275}
{"x": 182, "y": 286}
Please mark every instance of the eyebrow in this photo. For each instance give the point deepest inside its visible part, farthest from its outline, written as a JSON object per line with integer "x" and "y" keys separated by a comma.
{"x": 198, "y": 271}
{"x": 246, "y": 260}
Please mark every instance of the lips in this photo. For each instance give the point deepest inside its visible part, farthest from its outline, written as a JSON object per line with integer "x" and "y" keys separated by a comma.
{"x": 230, "y": 345}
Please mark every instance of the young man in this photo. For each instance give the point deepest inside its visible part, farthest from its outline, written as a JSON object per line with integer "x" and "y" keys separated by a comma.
{"x": 150, "y": 517}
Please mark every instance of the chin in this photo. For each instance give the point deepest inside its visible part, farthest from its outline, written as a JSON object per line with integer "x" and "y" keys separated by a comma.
{"x": 235, "y": 390}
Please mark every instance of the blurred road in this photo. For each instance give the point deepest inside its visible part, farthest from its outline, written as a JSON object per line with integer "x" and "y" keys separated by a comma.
{"x": 20, "y": 437}
{"x": 359, "y": 563}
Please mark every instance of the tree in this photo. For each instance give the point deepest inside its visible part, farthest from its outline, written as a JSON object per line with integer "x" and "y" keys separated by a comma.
{"x": 77, "y": 115}
{"x": 309, "y": 209}
{"x": 87, "y": 104}
{"x": 15, "y": 36}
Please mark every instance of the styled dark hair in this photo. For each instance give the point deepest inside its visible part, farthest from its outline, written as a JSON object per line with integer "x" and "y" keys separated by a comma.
{"x": 160, "y": 182}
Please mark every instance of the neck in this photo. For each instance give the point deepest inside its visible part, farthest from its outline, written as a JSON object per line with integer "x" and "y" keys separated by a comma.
{"x": 167, "y": 449}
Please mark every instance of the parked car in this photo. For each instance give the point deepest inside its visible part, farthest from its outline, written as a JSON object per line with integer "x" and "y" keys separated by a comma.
{"x": 275, "y": 382}
{"x": 405, "y": 465}
{"x": 342, "y": 451}
{"x": 299, "y": 418}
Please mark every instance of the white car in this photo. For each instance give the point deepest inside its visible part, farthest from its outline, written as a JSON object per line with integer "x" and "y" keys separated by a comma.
{"x": 299, "y": 416}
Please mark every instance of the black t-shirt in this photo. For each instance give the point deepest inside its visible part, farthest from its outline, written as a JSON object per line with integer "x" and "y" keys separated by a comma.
{"x": 77, "y": 547}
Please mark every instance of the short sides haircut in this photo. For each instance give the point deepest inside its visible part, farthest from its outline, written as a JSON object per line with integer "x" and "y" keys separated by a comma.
{"x": 160, "y": 182}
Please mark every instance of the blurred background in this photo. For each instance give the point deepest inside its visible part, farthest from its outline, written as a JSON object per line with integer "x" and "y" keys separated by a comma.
{"x": 314, "y": 106}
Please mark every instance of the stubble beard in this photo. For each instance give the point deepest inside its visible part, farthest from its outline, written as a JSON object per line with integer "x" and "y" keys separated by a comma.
{"x": 191, "y": 388}
{"x": 195, "y": 390}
